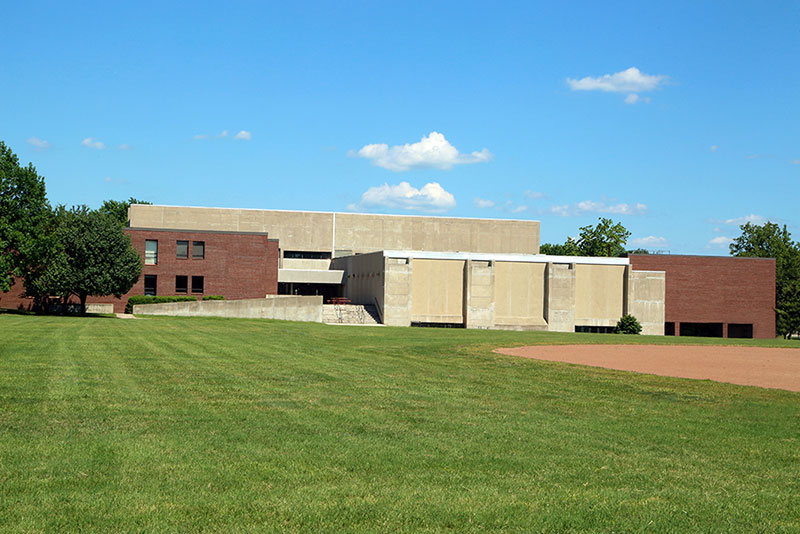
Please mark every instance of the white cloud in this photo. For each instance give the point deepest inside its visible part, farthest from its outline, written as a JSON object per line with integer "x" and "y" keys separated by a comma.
{"x": 91, "y": 142}
{"x": 713, "y": 148}
{"x": 433, "y": 151}
{"x": 634, "y": 98}
{"x": 590, "y": 206}
{"x": 518, "y": 209}
{"x": 39, "y": 144}
{"x": 223, "y": 133}
{"x": 200, "y": 136}
{"x": 795, "y": 162}
{"x": 429, "y": 198}
{"x": 650, "y": 241}
{"x": 534, "y": 194}
{"x": 752, "y": 218}
{"x": 631, "y": 80}
{"x": 719, "y": 241}
{"x": 243, "y": 135}
{"x": 124, "y": 146}
{"x": 483, "y": 203}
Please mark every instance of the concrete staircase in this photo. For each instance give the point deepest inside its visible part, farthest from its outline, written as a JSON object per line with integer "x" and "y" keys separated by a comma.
{"x": 350, "y": 314}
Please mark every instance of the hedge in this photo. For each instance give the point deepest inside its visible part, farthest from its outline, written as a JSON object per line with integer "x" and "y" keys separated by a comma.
{"x": 142, "y": 299}
{"x": 214, "y": 297}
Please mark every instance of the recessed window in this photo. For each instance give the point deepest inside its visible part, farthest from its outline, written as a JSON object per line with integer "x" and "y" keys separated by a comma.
{"x": 150, "y": 284}
{"x": 197, "y": 284}
{"x": 150, "y": 252}
{"x": 198, "y": 249}
{"x": 306, "y": 255}
{"x": 181, "y": 284}
{"x": 182, "y": 249}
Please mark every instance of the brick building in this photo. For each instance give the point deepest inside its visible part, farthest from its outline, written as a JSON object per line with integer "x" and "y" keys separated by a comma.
{"x": 715, "y": 296}
{"x": 236, "y": 265}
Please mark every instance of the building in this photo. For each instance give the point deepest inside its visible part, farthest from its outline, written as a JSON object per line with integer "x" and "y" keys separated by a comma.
{"x": 715, "y": 296}
{"x": 441, "y": 271}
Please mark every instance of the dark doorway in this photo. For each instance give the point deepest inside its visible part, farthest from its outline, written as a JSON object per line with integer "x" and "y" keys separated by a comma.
{"x": 740, "y": 330}
{"x": 595, "y": 329}
{"x": 701, "y": 329}
{"x": 669, "y": 329}
{"x": 328, "y": 291}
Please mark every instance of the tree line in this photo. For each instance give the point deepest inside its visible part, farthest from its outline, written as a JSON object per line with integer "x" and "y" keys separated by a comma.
{"x": 60, "y": 252}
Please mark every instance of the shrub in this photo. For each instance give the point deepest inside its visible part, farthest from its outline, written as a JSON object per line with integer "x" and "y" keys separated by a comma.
{"x": 213, "y": 297}
{"x": 628, "y": 324}
{"x": 142, "y": 299}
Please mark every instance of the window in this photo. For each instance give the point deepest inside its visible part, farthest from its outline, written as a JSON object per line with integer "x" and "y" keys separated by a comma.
{"x": 150, "y": 284}
{"x": 181, "y": 284}
{"x": 197, "y": 284}
{"x": 198, "y": 249}
{"x": 306, "y": 255}
{"x": 182, "y": 249}
{"x": 150, "y": 252}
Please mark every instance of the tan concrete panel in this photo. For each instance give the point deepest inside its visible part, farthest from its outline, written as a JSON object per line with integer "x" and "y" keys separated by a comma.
{"x": 437, "y": 291}
{"x": 519, "y": 293}
{"x": 599, "y": 294}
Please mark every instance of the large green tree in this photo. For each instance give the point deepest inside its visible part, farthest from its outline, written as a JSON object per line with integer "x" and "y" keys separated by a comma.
{"x": 24, "y": 212}
{"x": 119, "y": 208}
{"x": 607, "y": 238}
{"x": 771, "y": 241}
{"x": 90, "y": 255}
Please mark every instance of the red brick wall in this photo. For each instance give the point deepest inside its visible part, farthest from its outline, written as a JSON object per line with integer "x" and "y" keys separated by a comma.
{"x": 716, "y": 289}
{"x": 236, "y": 266}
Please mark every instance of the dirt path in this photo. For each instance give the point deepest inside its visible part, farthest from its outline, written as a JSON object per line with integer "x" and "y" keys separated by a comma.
{"x": 748, "y": 366}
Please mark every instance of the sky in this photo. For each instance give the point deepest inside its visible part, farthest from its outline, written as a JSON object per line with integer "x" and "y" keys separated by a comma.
{"x": 679, "y": 119}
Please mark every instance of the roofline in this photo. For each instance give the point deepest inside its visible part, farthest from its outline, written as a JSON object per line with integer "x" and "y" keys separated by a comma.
{"x": 340, "y": 213}
{"x": 699, "y": 256}
{"x": 488, "y": 256}
{"x": 191, "y": 231}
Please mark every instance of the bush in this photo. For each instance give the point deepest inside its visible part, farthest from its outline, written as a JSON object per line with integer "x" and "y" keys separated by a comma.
{"x": 628, "y": 324}
{"x": 142, "y": 299}
{"x": 213, "y": 297}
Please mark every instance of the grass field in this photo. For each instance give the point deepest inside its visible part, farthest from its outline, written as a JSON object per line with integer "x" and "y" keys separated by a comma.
{"x": 225, "y": 425}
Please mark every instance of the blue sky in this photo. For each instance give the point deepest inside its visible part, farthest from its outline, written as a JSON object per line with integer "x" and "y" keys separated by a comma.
{"x": 679, "y": 119}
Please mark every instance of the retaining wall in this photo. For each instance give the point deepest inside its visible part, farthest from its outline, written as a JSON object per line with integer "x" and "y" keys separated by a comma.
{"x": 283, "y": 307}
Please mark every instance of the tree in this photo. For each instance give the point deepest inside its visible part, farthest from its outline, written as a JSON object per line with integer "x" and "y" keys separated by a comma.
{"x": 90, "y": 255}
{"x": 24, "y": 212}
{"x": 771, "y": 241}
{"x": 605, "y": 239}
{"x": 119, "y": 208}
{"x": 569, "y": 248}
{"x": 628, "y": 324}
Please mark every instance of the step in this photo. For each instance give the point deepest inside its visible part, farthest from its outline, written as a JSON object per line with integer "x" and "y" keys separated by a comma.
{"x": 350, "y": 314}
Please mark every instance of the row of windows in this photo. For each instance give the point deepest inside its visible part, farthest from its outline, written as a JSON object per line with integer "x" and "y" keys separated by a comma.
{"x": 181, "y": 284}
{"x": 181, "y": 250}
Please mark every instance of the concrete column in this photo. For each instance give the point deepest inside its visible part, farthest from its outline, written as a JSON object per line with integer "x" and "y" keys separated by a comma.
{"x": 645, "y": 294}
{"x": 478, "y": 294}
{"x": 397, "y": 292}
{"x": 559, "y": 309}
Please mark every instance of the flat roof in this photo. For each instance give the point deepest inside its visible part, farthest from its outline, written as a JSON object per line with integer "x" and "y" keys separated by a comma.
{"x": 488, "y": 256}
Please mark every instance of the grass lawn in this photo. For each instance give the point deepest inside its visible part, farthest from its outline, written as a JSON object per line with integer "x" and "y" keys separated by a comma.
{"x": 226, "y": 425}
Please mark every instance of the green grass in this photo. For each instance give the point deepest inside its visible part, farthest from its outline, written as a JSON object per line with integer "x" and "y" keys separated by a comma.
{"x": 224, "y": 425}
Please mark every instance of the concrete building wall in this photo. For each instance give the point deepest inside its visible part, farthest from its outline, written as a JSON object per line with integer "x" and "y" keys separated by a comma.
{"x": 716, "y": 289}
{"x": 350, "y": 233}
{"x": 645, "y": 300}
{"x": 519, "y": 294}
{"x": 559, "y": 298}
{"x": 397, "y": 291}
{"x": 283, "y": 307}
{"x": 437, "y": 291}
{"x": 479, "y": 294}
{"x": 363, "y": 278}
{"x": 599, "y": 294}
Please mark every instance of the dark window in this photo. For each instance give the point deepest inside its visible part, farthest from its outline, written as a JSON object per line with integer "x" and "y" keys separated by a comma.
{"x": 150, "y": 252}
{"x": 197, "y": 284}
{"x": 150, "y": 284}
{"x": 181, "y": 284}
{"x": 584, "y": 329}
{"x": 740, "y": 330}
{"x": 669, "y": 329}
{"x": 198, "y": 249}
{"x": 701, "y": 329}
{"x": 182, "y": 249}
{"x": 306, "y": 255}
